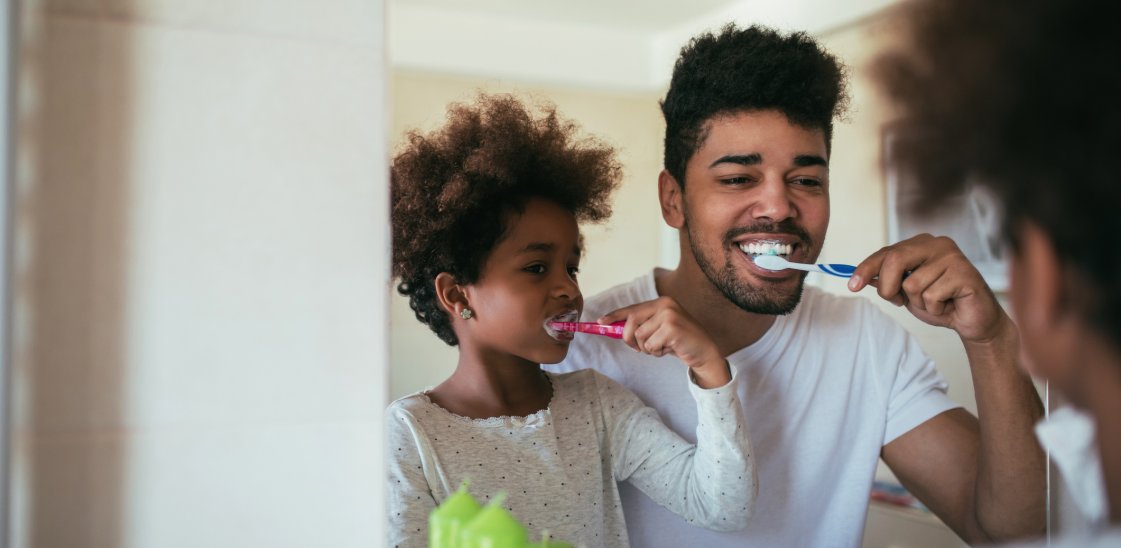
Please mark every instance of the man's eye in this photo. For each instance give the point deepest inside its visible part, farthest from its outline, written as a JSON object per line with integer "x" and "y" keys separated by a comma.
{"x": 735, "y": 180}
{"x": 803, "y": 181}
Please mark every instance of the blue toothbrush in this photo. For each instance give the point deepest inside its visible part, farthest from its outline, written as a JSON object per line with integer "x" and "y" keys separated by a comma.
{"x": 774, "y": 262}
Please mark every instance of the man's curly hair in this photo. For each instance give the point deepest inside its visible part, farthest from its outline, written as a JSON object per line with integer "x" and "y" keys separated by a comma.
{"x": 454, "y": 189}
{"x": 1021, "y": 96}
{"x": 756, "y": 68}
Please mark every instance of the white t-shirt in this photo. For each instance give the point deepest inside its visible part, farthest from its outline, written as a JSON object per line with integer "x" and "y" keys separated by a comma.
{"x": 823, "y": 390}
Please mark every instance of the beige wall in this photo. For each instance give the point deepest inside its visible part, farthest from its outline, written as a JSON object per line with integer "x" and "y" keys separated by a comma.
{"x": 200, "y": 272}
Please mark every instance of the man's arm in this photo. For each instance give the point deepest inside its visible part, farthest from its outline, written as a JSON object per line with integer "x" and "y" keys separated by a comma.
{"x": 985, "y": 476}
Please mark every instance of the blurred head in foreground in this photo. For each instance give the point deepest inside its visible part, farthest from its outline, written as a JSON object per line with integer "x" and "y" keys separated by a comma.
{"x": 1021, "y": 98}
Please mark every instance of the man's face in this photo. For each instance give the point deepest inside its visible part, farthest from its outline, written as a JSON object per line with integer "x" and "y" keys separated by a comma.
{"x": 757, "y": 185}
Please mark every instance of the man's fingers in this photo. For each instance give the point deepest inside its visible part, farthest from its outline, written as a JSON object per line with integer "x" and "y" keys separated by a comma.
{"x": 866, "y": 271}
{"x": 917, "y": 281}
{"x": 941, "y": 293}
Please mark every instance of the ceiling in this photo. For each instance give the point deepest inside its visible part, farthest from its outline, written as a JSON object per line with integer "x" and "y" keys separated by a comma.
{"x": 605, "y": 44}
{"x": 642, "y": 15}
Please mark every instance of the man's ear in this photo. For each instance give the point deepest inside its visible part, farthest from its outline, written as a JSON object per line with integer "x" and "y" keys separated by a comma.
{"x": 671, "y": 197}
{"x": 452, "y": 297}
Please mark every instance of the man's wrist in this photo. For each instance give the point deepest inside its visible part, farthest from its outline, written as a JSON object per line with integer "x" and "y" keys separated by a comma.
{"x": 1003, "y": 335}
{"x": 1003, "y": 346}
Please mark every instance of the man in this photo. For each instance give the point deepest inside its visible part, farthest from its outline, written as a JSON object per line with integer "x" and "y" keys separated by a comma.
{"x": 976, "y": 109}
{"x": 831, "y": 384}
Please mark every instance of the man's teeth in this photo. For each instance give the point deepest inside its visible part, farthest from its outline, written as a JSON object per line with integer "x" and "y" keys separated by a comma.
{"x": 763, "y": 248}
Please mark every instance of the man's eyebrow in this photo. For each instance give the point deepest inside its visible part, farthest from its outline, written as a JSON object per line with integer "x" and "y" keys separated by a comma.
{"x": 801, "y": 160}
{"x": 806, "y": 160}
{"x": 752, "y": 159}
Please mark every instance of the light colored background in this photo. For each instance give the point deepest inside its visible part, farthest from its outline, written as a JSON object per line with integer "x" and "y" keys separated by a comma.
{"x": 200, "y": 269}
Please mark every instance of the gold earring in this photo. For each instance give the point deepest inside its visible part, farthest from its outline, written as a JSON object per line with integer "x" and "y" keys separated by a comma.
{"x": 466, "y": 314}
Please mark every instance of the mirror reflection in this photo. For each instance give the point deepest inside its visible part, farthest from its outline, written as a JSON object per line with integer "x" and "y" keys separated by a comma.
{"x": 861, "y": 414}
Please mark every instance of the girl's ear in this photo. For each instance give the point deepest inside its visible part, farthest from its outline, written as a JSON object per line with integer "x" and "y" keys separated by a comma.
{"x": 451, "y": 295}
{"x": 670, "y": 198}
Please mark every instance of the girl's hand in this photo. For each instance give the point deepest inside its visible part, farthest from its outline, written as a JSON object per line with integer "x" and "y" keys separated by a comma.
{"x": 661, "y": 327}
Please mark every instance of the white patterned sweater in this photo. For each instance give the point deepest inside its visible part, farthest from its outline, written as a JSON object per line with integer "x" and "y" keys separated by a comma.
{"x": 559, "y": 466}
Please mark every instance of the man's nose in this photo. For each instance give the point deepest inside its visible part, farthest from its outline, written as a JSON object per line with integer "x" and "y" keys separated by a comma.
{"x": 772, "y": 201}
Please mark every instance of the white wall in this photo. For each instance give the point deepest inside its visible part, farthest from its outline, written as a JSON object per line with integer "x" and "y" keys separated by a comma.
{"x": 200, "y": 274}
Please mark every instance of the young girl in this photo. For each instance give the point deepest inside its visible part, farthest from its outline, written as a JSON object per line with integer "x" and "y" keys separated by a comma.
{"x": 487, "y": 247}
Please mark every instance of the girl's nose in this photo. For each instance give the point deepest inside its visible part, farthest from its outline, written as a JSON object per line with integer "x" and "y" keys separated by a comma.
{"x": 566, "y": 287}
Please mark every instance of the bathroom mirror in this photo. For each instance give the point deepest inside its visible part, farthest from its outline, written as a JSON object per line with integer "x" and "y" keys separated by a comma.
{"x": 606, "y": 65}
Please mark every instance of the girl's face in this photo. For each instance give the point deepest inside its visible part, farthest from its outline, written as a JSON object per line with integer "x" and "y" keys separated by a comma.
{"x": 528, "y": 280}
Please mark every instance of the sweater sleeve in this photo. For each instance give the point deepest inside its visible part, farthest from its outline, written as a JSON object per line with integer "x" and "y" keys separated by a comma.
{"x": 711, "y": 484}
{"x": 410, "y": 498}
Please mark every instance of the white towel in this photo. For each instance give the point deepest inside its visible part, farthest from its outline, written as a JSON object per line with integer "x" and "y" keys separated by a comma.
{"x": 1069, "y": 435}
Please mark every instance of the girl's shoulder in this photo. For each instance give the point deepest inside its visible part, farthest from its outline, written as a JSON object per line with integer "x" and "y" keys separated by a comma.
{"x": 413, "y": 402}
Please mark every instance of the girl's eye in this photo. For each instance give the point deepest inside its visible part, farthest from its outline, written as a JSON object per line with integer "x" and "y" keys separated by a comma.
{"x": 535, "y": 269}
{"x": 573, "y": 271}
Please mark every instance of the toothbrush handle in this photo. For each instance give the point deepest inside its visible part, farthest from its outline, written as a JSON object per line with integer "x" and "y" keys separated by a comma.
{"x": 837, "y": 269}
{"x": 615, "y": 330}
{"x": 844, "y": 270}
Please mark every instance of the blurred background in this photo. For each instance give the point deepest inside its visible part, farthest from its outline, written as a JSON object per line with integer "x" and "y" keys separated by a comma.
{"x": 199, "y": 335}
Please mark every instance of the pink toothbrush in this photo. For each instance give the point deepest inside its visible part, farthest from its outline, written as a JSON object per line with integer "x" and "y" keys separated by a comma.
{"x": 615, "y": 330}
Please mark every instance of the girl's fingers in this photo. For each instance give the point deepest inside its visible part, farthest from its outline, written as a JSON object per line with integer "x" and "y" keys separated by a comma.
{"x": 655, "y": 341}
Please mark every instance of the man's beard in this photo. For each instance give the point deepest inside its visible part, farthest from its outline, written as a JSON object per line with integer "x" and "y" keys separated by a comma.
{"x": 767, "y": 299}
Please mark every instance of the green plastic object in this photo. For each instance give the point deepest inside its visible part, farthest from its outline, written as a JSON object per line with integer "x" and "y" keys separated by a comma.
{"x": 494, "y": 527}
{"x": 447, "y": 521}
